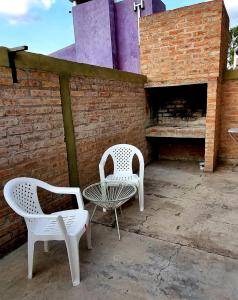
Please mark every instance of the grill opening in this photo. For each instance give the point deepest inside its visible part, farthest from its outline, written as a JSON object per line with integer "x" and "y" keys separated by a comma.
{"x": 177, "y": 116}
{"x": 178, "y": 106}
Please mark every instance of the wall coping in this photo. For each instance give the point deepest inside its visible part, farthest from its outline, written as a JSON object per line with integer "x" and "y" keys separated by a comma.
{"x": 33, "y": 61}
{"x": 4, "y": 60}
{"x": 231, "y": 74}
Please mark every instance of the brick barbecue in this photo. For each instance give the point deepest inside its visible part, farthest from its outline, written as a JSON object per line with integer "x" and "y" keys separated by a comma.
{"x": 186, "y": 49}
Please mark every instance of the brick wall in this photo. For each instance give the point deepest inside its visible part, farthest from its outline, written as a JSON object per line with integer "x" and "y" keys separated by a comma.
{"x": 108, "y": 107}
{"x": 105, "y": 113}
{"x": 31, "y": 144}
{"x": 176, "y": 113}
{"x": 181, "y": 149}
{"x": 223, "y": 68}
{"x": 189, "y": 46}
{"x": 228, "y": 150}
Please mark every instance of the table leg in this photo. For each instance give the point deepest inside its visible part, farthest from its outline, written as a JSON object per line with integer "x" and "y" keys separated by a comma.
{"x": 118, "y": 229}
{"x": 93, "y": 213}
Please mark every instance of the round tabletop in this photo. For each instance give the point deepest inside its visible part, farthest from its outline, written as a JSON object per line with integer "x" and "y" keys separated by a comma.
{"x": 109, "y": 195}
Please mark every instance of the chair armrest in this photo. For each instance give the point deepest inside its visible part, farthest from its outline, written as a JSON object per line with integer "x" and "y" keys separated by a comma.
{"x": 102, "y": 164}
{"x": 141, "y": 170}
{"x": 101, "y": 171}
{"x": 62, "y": 190}
{"x": 141, "y": 165}
{"x": 62, "y": 227}
{"x": 70, "y": 191}
{"x": 66, "y": 191}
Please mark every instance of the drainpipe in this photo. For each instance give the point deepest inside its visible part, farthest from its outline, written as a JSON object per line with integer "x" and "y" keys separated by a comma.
{"x": 137, "y": 8}
{"x": 11, "y": 56}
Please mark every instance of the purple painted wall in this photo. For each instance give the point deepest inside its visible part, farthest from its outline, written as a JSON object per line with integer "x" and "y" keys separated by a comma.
{"x": 94, "y": 30}
{"x": 127, "y": 35}
{"x": 106, "y": 33}
{"x": 153, "y": 6}
{"x": 67, "y": 53}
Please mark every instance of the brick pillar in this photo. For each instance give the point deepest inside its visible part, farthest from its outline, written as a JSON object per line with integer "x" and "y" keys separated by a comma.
{"x": 212, "y": 125}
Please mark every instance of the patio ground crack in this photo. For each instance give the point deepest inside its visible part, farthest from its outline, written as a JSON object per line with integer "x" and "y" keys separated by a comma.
{"x": 172, "y": 258}
{"x": 180, "y": 243}
{"x": 226, "y": 223}
{"x": 153, "y": 236}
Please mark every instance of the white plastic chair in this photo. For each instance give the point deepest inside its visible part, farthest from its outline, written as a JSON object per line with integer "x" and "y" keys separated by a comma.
{"x": 69, "y": 225}
{"x": 122, "y": 156}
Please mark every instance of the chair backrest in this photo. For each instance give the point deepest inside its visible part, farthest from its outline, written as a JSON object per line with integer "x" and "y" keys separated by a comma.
{"x": 122, "y": 156}
{"x": 21, "y": 195}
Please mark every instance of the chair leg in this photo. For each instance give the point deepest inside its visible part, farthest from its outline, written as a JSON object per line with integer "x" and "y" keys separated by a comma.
{"x": 73, "y": 254}
{"x": 31, "y": 246}
{"x": 46, "y": 246}
{"x": 89, "y": 236}
{"x": 94, "y": 210}
{"x": 118, "y": 229}
{"x": 137, "y": 194}
{"x": 141, "y": 196}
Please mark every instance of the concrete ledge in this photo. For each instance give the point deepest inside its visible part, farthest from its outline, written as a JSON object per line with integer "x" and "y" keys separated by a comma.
{"x": 176, "y": 132}
{"x": 231, "y": 74}
{"x": 33, "y": 61}
{"x": 4, "y": 61}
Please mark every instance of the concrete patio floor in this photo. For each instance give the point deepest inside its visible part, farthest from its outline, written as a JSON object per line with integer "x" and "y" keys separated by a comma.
{"x": 187, "y": 207}
{"x": 183, "y": 246}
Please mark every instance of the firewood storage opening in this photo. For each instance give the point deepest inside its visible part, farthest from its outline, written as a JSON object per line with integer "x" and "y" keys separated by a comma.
{"x": 176, "y": 123}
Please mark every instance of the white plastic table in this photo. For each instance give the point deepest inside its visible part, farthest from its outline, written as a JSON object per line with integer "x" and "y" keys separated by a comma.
{"x": 109, "y": 196}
